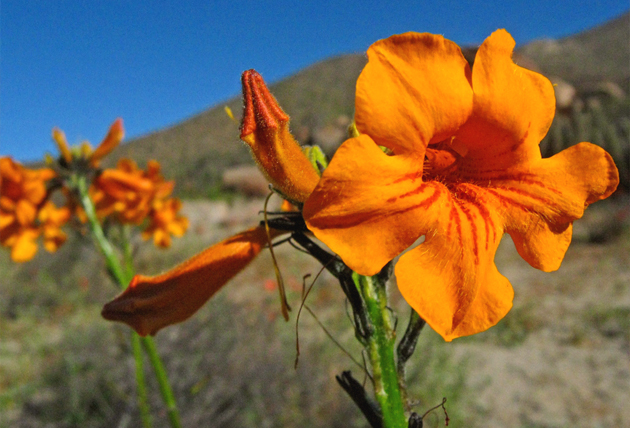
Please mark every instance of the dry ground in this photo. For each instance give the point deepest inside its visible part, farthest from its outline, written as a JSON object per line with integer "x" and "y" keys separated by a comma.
{"x": 561, "y": 358}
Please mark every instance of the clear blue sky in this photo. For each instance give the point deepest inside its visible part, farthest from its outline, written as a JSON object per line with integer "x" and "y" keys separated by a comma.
{"x": 81, "y": 64}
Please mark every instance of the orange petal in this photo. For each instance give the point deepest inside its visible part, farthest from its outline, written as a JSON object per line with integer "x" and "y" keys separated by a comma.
{"x": 513, "y": 109}
{"x": 451, "y": 279}
{"x": 53, "y": 238}
{"x": 34, "y": 191}
{"x": 118, "y": 183}
{"x": 265, "y": 128}
{"x": 62, "y": 144}
{"x": 541, "y": 200}
{"x": 25, "y": 212}
{"x": 24, "y": 248}
{"x": 152, "y": 303}
{"x": 110, "y": 142}
{"x": 414, "y": 90}
{"x": 369, "y": 207}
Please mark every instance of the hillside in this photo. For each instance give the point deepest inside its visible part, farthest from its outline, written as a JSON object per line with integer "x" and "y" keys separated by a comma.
{"x": 585, "y": 59}
{"x": 320, "y": 101}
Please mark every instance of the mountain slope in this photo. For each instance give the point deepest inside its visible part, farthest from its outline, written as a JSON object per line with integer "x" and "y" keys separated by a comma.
{"x": 196, "y": 151}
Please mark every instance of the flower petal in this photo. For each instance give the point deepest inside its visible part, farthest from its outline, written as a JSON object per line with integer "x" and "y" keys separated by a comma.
{"x": 540, "y": 201}
{"x": 414, "y": 90}
{"x": 24, "y": 248}
{"x": 62, "y": 144}
{"x": 369, "y": 207}
{"x": 151, "y": 303}
{"x": 110, "y": 142}
{"x": 513, "y": 109}
{"x": 451, "y": 279}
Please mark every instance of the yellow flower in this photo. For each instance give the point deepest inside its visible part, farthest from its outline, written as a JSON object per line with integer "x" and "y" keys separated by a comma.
{"x": 22, "y": 194}
{"x": 265, "y": 128}
{"x": 463, "y": 167}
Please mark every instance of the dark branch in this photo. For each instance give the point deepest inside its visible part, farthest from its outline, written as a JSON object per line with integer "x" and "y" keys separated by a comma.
{"x": 357, "y": 393}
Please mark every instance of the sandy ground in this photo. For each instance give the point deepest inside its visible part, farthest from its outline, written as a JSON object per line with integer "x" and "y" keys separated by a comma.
{"x": 562, "y": 356}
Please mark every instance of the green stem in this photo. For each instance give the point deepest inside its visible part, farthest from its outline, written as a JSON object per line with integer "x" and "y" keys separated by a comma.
{"x": 381, "y": 350}
{"x": 111, "y": 260}
{"x": 123, "y": 277}
{"x": 165, "y": 387}
{"x": 143, "y": 402}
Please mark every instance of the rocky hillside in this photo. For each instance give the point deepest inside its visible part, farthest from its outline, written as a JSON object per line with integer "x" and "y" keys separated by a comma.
{"x": 591, "y": 70}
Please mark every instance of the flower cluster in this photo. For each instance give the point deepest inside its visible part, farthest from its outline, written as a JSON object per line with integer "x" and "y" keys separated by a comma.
{"x": 439, "y": 150}
{"x": 129, "y": 195}
{"x": 123, "y": 195}
{"x": 26, "y": 213}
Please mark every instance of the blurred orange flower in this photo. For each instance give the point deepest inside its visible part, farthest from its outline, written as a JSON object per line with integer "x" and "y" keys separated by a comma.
{"x": 92, "y": 157}
{"x": 51, "y": 219}
{"x": 23, "y": 195}
{"x": 130, "y": 195}
{"x": 124, "y": 192}
{"x": 463, "y": 167}
{"x": 165, "y": 222}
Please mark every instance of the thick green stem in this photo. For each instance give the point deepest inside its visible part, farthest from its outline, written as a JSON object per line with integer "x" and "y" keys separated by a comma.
{"x": 123, "y": 277}
{"x": 381, "y": 350}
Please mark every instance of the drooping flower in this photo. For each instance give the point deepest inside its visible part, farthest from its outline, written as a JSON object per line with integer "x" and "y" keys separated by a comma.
{"x": 23, "y": 194}
{"x": 152, "y": 303}
{"x": 463, "y": 167}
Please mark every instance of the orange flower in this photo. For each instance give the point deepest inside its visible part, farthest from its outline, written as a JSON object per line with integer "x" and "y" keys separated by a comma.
{"x": 51, "y": 220}
{"x": 22, "y": 195}
{"x": 152, "y": 303}
{"x": 464, "y": 168}
{"x": 110, "y": 142}
{"x": 127, "y": 192}
{"x": 165, "y": 222}
{"x": 265, "y": 128}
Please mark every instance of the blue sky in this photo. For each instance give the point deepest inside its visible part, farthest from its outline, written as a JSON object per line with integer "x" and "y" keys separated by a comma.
{"x": 81, "y": 64}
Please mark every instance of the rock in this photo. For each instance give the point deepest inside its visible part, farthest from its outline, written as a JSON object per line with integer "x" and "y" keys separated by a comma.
{"x": 565, "y": 93}
{"x": 331, "y": 136}
{"x": 247, "y": 180}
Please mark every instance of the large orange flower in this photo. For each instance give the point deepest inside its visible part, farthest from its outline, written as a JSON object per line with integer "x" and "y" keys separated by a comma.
{"x": 22, "y": 195}
{"x": 463, "y": 167}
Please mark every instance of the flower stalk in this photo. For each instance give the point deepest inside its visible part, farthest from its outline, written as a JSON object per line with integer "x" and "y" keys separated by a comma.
{"x": 122, "y": 276}
{"x": 380, "y": 346}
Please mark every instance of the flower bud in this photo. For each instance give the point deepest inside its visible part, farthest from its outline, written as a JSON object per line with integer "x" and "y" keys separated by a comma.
{"x": 265, "y": 128}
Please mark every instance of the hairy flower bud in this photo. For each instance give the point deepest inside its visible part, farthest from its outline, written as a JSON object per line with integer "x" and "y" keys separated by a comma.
{"x": 265, "y": 128}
